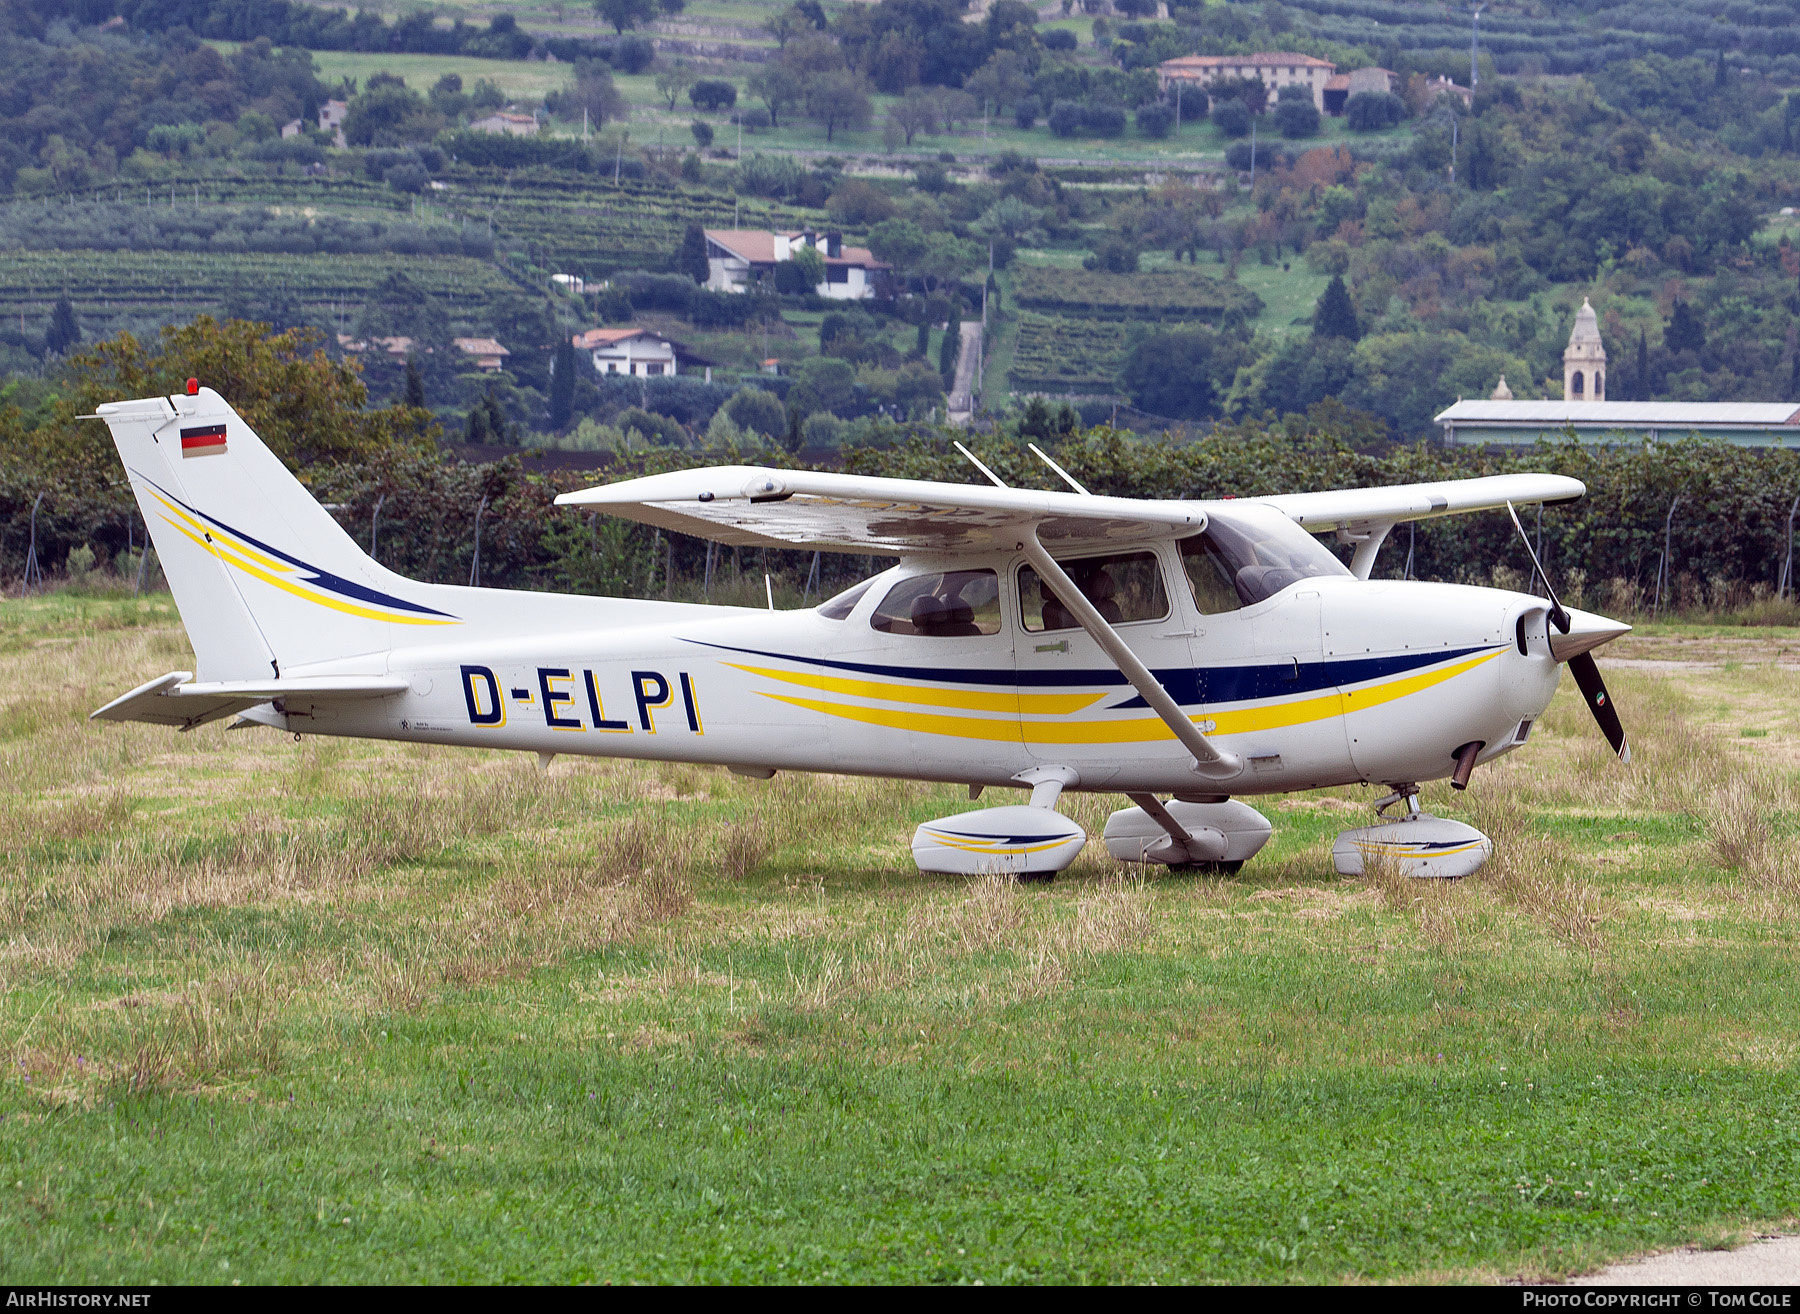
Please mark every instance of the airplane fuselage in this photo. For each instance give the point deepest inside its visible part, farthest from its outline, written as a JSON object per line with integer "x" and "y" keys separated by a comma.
{"x": 1333, "y": 680}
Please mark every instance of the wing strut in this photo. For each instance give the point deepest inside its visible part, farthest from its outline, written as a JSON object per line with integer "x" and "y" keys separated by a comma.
{"x": 1209, "y": 760}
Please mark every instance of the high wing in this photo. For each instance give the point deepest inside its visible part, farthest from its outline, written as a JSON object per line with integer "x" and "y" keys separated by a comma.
{"x": 176, "y": 699}
{"x": 748, "y": 506}
{"x": 1356, "y": 508}
{"x": 753, "y": 506}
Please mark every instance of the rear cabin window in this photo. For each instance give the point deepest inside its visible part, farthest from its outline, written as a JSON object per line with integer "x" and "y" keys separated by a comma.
{"x": 1124, "y": 587}
{"x": 951, "y": 604}
{"x": 843, "y": 604}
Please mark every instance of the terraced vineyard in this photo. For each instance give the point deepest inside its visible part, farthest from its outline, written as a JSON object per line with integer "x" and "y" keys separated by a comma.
{"x": 184, "y": 283}
{"x": 1065, "y": 355}
{"x": 1167, "y": 294}
{"x": 581, "y": 224}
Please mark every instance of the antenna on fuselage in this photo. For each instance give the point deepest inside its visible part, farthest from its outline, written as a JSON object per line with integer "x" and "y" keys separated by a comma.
{"x": 1061, "y": 473}
{"x": 975, "y": 461}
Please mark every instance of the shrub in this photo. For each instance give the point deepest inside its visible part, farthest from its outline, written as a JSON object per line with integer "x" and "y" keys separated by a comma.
{"x": 1115, "y": 255}
{"x": 752, "y": 120}
{"x": 407, "y": 177}
{"x": 633, "y": 54}
{"x": 1231, "y": 118}
{"x": 1155, "y": 119}
{"x": 1297, "y": 118}
{"x": 770, "y": 175}
{"x": 931, "y": 177}
{"x": 1371, "y": 111}
{"x": 1026, "y": 111}
{"x": 660, "y": 429}
{"x": 703, "y": 133}
{"x": 1103, "y": 120}
{"x": 1059, "y": 38}
{"x": 1238, "y": 156}
{"x": 712, "y": 95}
{"x": 1065, "y": 118}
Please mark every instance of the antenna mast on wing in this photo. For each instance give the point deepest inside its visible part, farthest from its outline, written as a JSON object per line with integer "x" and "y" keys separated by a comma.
{"x": 975, "y": 461}
{"x": 1061, "y": 473}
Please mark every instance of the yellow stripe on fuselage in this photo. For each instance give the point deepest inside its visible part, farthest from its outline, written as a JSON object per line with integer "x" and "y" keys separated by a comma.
{"x": 969, "y": 700}
{"x": 1138, "y": 729}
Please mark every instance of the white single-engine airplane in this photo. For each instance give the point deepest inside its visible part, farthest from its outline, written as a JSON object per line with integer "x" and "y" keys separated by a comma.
{"x": 1195, "y": 651}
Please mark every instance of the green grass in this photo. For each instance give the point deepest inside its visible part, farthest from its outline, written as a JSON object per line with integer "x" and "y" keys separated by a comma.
{"x": 279, "y": 1012}
{"x": 516, "y": 77}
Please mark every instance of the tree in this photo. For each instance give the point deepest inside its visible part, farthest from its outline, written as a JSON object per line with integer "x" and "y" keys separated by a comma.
{"x": 1371, "y": 111}
{"x": 307, "y": 408}
{"x": 713, "y": 95}
{"x": 672, "y": 81}
{"x": 786, "y": 25}
{"x": 1642, "y": 382}
{"x": 1297, "y": 118}
{"x": 1011, "y": 219}
{"x": 777, "y": 87}
{"x": 389, "y": 113}
{"x": 1155, "y": 119}
{"x": 1684, "y": 331}
{"x": 1231, "y": 118}
{"x": 413, "y": 394}
{"x": 915, "y": 112}
{"x": 759, "y": 410}
{"x": 1170, "y": 372}
{"x": 594, "y": 95}
{"x": 839, "y": 100}
{"x": 562, "y": 384}
{"x": 801, "y": 273}
{"x": 623, "y": 14}
{"x": 691, "y": 258}
{"x": 899, "y": 242}
{"x": 1335, "y": 315}
{"x": 65, "y": 330}
{"x": 703, "y": 133}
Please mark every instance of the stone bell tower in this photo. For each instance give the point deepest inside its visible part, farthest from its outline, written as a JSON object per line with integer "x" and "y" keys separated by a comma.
{"x": 1584, "y": 359}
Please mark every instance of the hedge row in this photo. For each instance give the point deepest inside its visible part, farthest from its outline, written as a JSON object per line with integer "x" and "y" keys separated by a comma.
{"x": 1729, "y": 531}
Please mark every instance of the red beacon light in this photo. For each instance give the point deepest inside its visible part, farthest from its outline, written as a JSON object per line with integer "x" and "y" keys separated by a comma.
{"x": 193, "y": 387}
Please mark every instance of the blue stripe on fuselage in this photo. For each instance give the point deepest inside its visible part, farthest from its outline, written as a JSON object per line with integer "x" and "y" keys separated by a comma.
{"x": 1186, "y": 685}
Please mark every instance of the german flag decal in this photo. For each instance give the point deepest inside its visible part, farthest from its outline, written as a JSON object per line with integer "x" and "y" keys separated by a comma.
{"x": 206, "y": 440}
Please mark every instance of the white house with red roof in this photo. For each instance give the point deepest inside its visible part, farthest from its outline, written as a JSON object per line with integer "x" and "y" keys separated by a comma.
{"x": 737, "y": 257}
{"x": 638, "y": 352}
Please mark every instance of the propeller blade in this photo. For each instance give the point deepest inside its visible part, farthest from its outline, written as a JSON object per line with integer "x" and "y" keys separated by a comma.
{"x": 1558, "y": 616}
{"x": 1593, "y": 690}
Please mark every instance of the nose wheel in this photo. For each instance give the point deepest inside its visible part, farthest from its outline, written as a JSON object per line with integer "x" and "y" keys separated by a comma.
{"x": 1415, "y": 842}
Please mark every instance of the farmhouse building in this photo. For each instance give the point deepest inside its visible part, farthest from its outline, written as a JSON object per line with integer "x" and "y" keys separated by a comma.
{"x": 1340, "y": 87}
{"x": 331, "y": 120}
{"x": 1503, "y": 420}
{"x": 1274, "y": 69}
{"x": 736, "y": 257}
{"x": 488, "y": 356}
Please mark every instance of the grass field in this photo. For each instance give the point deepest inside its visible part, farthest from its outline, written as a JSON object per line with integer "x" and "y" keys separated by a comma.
{"x": 280, "y": 1011}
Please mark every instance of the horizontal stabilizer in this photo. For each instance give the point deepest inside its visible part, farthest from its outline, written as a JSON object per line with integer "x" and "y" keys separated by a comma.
{"x": 177, "y": 700}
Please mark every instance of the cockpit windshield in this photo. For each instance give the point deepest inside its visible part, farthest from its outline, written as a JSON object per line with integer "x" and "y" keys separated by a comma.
{"x": 1239, "y": 560}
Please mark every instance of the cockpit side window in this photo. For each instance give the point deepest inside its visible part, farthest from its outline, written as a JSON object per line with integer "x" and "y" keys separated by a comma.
{"x": 1236, "y": 561}
{"x": 1124, "y": 587}
{"x": 950, "y": 604}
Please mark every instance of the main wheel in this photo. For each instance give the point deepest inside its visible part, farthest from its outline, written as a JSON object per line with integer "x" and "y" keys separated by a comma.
{"x": 1208, "y": 868}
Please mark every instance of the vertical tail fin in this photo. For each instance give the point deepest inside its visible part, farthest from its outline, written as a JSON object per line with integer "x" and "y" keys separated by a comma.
{"x": 264, "y": 577}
